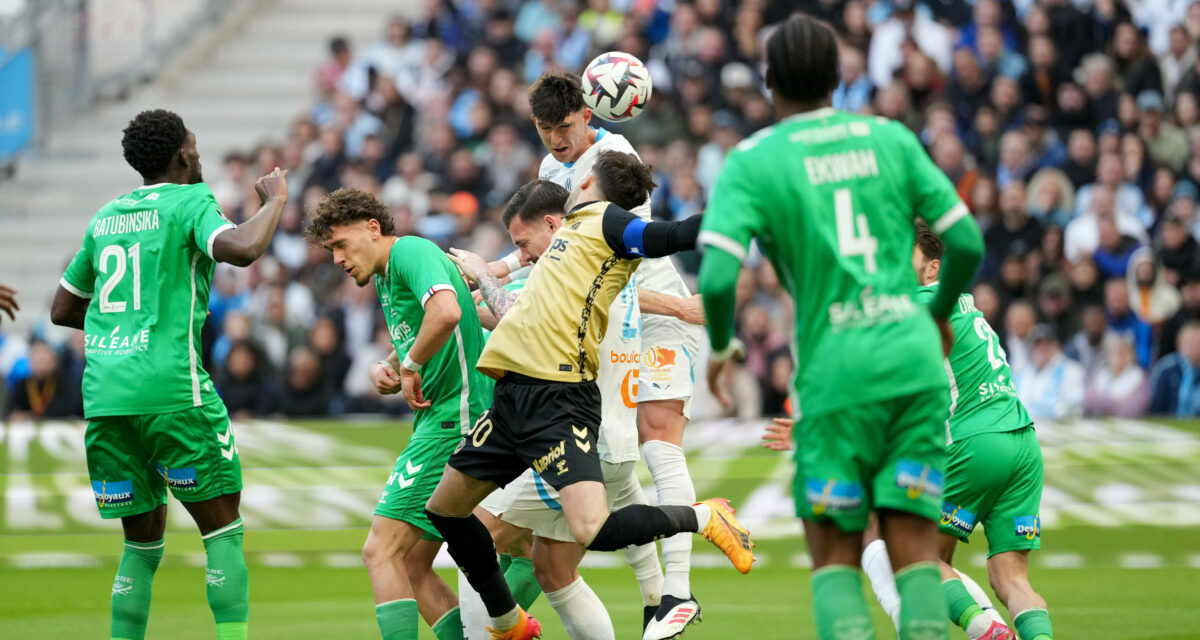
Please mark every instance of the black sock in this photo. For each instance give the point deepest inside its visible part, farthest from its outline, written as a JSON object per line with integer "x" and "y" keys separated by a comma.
{"x": 641, "y": 524}
{"x": 471, "y": 546}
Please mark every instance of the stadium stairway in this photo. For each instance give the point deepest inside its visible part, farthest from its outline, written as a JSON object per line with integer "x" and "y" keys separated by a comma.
{"x": 240, "y": 83}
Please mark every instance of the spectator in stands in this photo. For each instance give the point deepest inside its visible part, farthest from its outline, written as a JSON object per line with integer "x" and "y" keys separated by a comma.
{"x": 1039, "y": 84}
{"x": 1081, "y": 158}
{"x": 1179, "y": 57}
{"x": 777, "y": 386}
{"x": 1082, "y": 235}
{"x": 1175, "y": 381}
{"x": 1110, "y": 172}
{"x": 1155, "y": 299}
{"x": 1138, "y": 69}
{"x": 854, "y": 91}
{"x": 1089, "y": 346}
{"x": 48, "y": 391}
{"x": 1120, "y": 388}
{"x": 1164, "y": 141}
{"x": 304, "y": 391}
{"x": 330, "y": 73}
{"x": 1050, "y": 197}
{"x": 987, "y": 301}
{"x": 326, "y": 342}
{"x": 931, "y": 38}
{"x": 1055, "y": 308}
{"x": 1124, "y": 322}
{"x": 1052, "y": 386}
{"x": 244, "y": 381}
{"x": 1114, "y": 250}
{"x": 761, "y": 340}
{"x": 1019, "y": 323}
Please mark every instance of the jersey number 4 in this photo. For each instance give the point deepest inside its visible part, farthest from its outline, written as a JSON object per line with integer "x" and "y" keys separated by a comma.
{"x": 110, "y": 253}
{"x": 854, "y": 237}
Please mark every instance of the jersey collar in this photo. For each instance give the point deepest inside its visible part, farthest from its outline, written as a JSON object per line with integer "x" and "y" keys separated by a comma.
{"x": 152, "y": 186}
{"x": 815, "y": 114}
{"x": 580, "y": 206}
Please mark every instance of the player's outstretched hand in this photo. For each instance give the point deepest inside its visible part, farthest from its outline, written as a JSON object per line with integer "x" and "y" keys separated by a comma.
{"x": 470, "y": 264}
{"x": 411, "y": 384}
{"x": 779, "y": 435}
{"x": 8, "y": 303}
{"x": 385, "y": 378}
{"x": 943, "y": 325}
{"x": 271, "y": 185}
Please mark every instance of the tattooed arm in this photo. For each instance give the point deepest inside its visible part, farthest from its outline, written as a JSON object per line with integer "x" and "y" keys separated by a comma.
{"x": 497, "y": 298}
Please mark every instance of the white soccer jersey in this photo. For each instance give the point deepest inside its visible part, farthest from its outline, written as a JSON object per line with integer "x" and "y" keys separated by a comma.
{"x": 655, "y": 274}
{"x": 617, "y": 378}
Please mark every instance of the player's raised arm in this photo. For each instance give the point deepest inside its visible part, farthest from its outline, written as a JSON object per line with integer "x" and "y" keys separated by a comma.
{"x": 689, "y": 309}
{"x": 245, "y": 243}
{"x": 631, "y": 237}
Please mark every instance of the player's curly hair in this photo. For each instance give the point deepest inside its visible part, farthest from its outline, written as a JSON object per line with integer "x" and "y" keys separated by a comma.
{"x": 346, "y": 206}
{"x": 929, "y": 242}
{"x": 623, "y": 179}
{"x": 535, "y": 199}
{"x": 802, "y": 59}
{"x": 554, "y": 96}
{"x": 151, "y": 140}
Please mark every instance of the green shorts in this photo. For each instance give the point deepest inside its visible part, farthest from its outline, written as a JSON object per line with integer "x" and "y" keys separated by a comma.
{"x": 132, "y": 460}
{"x": 995, "y": 479}
{"x": 416, "y": 474}
{"x": 884, "y": 455}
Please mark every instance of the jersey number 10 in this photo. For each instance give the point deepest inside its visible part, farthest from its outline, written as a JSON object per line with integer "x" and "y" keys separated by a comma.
{"x": 854, "y": 237}
{"x": 118, "y": 272}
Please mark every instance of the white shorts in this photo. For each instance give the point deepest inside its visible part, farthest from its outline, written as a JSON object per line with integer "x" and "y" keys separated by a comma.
{"x": 530, "y": 503}
{"x": 668, "y": 367}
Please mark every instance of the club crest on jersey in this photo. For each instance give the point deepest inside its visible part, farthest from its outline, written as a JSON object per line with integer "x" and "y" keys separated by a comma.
{"x": 184, "y": 478}
{"x": 659, "y": 357}
{"x": 1027, "y": 527}
{"x": 919, "y": 479}
{"x": 827, "y": 494}
{"x": 958, "y": 519}
{"x": 112, "y": 493}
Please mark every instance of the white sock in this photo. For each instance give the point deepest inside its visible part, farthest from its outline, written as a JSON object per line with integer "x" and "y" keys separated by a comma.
{"x": 644, "y": 560}
{"x": 508, "y": 620}
{"x": 581, "y": 612}
{"x": 668, "y": 466}
{"x": 977, "y": 592}
{"x": 878, "y": 567}
{"x": 474, "y": 615}
{"x": 978, "y": 627}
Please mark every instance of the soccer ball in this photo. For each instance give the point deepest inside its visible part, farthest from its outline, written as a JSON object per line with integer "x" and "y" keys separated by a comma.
{"x": 616, "y": 86}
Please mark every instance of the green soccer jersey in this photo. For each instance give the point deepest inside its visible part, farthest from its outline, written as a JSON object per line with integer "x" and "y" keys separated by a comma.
{"x": 831, "y": 198}
{"x": 146, "y": 264}
{"x": 416, "y": 270}
{"x": 982, "y": 396}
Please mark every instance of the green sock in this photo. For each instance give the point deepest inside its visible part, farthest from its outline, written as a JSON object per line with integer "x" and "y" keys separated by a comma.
{"x": 963, "y": 608}
{"x": 1034, "y": 624}
{"x": 521, "y": 583}
{"x": 505, "y": 562}
{"x": 839, "y": 608}
{"x": 398, "y": 619}
{"x": 449, "y": 626}
{"x": 228, "y": 581}
{"x": 922, "y": 606}
{"x": 131, "y": 588}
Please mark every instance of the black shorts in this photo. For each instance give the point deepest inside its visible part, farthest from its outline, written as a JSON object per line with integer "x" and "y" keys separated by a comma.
{"x": 550, "y": 426}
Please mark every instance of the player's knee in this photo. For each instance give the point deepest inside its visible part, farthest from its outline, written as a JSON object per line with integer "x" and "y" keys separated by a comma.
{"x": 376, "y": 551}
{"x": 552, "y": 576}
{"x": 585, "y": 526}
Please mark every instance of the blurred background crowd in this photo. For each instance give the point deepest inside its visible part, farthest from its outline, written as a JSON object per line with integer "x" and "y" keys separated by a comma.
{"x": 1071, "y": 128}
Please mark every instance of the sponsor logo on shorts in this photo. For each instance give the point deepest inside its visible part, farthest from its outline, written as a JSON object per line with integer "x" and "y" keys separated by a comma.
{"x": 112, "y": 494}
{"x": 919, "y": 479}
{"x": 958, "y": 519}
{"x": 556, "y": 452}
{"x": 660, "y": 357}
{"x": 1027, "y": 527}
{"x": 827, "y": 494}
{"x": 184, "y": 478}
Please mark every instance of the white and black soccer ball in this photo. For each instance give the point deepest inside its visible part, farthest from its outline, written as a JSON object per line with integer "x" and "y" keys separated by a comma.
{"x": 616, "y": 86}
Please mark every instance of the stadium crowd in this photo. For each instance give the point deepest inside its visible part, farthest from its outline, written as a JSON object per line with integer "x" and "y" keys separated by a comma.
{"x": 1071, "y": 128}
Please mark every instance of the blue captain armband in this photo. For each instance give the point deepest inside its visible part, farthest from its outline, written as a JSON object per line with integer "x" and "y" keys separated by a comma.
{"x": 634, "y": 238}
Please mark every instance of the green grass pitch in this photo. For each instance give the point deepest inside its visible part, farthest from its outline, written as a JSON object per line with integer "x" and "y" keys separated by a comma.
{"x": 1120, "y": 558}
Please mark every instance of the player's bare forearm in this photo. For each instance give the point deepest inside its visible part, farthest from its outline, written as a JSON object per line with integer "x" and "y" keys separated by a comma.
{"x": 442, "y": 314}
{"x": 487, "y": 319}
{"x": 497, "y": 298}
{"x": 690, "y": 310}
{"x": 394, "y": 360}
{"x": 248, "y": 241}
{"x": 68, "y": 309}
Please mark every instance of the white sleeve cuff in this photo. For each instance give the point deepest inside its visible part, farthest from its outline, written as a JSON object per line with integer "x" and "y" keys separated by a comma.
{"x": 434, "y": 289}
{"x": 87, "y": 295}
{"x": 722, "y": 242}
{"x": 212, "y": 237}
{"x": 956, "y": 213}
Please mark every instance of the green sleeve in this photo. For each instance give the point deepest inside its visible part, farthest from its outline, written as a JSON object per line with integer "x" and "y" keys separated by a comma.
{"x": 964, "y": 252}
{"x": 936, "y": 201}
{"x": 421, "y": 265}
{"x": 208, "y": 221}
{"x": 80, "y": 277}
{"x": 731, "y": 220}
{"x": 926, "y": 294}
{"x": 718, "y": 290}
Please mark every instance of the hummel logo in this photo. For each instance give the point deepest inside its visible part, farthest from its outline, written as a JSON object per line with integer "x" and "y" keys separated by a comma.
{"x": 411, "y": 469}
{"x": 581, "y": 439}
{"x": 412, "y": 472}
{"x": 224, "y": 438}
